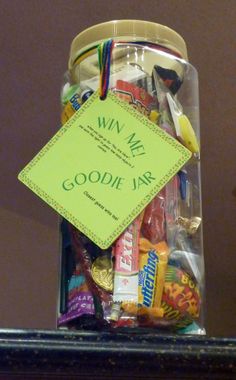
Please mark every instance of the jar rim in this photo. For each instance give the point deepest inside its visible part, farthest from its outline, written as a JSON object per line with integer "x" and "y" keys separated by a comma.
{"x": 130, "y": 30}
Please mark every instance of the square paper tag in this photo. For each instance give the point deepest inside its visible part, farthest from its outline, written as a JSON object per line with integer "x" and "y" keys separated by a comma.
{"x": 103, "y": 167}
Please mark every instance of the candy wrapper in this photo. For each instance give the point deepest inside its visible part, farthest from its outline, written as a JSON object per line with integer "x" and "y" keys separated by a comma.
{"x": 154, "y": 220}
{"x": 152, "y": 268}
{"x": 126, "y": 254}
{"x": 181, "y": 297}
{"x": 77, "y": 302}
{"x": 80, "y": 301}
{"x": 136, "y": 96}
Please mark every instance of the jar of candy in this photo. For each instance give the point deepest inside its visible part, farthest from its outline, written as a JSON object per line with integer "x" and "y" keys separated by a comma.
{"x": 152, "y": 276}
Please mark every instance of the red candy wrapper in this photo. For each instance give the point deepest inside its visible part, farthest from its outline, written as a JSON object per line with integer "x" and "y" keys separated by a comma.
{"x": 153, "y": 227}
{"x": 137, "y": 97}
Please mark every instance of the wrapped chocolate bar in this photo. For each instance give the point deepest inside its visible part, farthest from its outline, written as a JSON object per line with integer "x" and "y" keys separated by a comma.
{"x": 152, "y": 269}
{"x": 125, "y": 176}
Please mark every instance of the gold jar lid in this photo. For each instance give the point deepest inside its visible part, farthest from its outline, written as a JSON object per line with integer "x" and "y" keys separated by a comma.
{"x": 128, "y": 30}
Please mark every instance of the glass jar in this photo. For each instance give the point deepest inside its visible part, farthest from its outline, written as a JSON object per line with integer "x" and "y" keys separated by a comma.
{"x": 149, "y": 70}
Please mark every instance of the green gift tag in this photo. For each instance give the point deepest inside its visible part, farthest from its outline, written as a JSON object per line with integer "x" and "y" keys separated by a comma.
{"x": 103, "y": 167}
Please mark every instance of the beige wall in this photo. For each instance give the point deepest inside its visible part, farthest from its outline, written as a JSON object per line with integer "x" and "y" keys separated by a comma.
{"x": 35, "y": 39}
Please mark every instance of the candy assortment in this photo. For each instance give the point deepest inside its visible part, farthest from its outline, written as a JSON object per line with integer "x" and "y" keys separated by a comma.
{"x": 152, "y": 275}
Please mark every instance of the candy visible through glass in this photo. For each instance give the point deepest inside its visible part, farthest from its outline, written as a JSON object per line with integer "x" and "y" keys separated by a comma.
{"x": 150, "y": 276}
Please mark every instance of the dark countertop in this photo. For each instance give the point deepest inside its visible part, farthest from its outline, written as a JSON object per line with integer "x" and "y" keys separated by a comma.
{"x": 41, "y": 354}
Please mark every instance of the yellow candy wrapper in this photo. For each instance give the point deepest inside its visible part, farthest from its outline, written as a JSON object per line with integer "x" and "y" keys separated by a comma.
{"x": 70, "y": 108}
{"x": 153, "y": 261}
